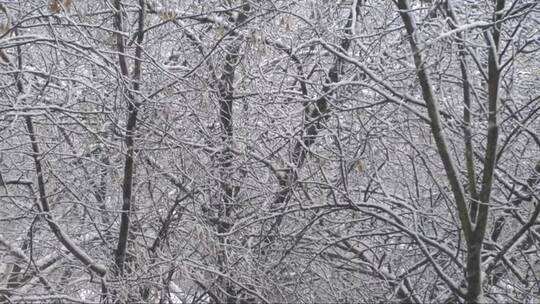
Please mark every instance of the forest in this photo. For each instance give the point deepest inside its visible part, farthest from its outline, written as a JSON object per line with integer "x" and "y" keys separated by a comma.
{"x": 269, "y": 151}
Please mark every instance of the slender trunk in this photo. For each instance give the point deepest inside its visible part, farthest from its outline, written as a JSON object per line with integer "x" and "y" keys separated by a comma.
{"x": 228, "y": 190}
{"x": 474, "y": 272}
{"x": 452, "y": 174}
{"x": 467, "y": 132}
{"x": 133, "y": 107}
{"x": 315, "y": 115}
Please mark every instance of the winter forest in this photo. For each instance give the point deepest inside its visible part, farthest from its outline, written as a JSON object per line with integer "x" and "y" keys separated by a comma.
{"x": 269, "y": 151}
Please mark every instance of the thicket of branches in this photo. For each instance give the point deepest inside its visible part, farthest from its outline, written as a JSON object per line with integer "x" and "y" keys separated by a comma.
{"x": 249, "y": 151}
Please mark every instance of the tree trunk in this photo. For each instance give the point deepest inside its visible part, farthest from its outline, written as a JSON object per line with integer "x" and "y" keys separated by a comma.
{"x": 474, "y": 272}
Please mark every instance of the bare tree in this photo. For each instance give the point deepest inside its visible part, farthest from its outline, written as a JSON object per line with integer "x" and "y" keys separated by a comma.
{"x": 269, "y": 151}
